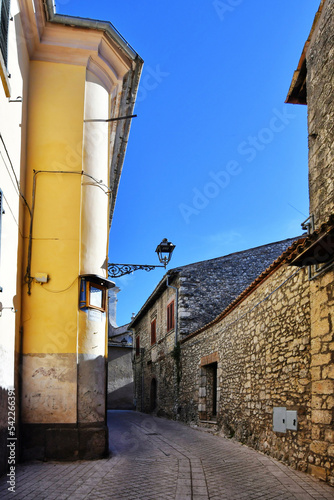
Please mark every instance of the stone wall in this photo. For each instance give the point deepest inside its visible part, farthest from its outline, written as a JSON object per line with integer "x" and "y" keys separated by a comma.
{"x": 273, "y": 348}
{"x": 120, "y": 379}
{"x": 155, "y": 361}
{"x": 263, "y": 348}
{"x": 320, "y": 84}
{"x": 321, "y": 457}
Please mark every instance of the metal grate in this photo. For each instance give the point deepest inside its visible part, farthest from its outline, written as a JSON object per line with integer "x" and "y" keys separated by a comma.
{"x": 4, "y": 22}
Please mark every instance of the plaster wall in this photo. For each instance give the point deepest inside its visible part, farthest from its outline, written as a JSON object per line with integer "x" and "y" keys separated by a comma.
{"x": 12, "y": 162}
{"x": 50, "y": 311}
{"x": 120, "y": 392}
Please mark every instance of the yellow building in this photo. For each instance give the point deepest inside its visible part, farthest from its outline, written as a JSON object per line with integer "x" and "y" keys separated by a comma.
{"x": 79, "y": 73}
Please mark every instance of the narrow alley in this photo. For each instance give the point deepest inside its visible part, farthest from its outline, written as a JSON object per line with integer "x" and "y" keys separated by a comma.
{"x": 153, "y": 458}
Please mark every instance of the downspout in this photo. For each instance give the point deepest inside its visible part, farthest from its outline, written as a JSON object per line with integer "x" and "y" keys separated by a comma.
{"x": 142, "y": 353}
{"x": 176, "y": 310}
{"x": 134, "y": 367}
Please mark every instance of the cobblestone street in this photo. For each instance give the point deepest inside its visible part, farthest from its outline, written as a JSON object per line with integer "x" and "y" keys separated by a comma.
{"x": 154, "y": 458}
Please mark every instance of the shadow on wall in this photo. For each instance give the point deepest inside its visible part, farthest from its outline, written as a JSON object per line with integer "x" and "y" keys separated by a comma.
{"x": 122, "y": 398}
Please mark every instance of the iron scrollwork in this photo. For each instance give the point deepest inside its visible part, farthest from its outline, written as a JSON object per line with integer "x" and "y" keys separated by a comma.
{"x": 118, "y": 270}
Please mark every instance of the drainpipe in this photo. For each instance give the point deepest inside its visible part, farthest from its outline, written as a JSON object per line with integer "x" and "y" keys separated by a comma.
{"x": 134, "y": 367}
{"x": 176, "y": 310}
{"x": 142, "y": 352}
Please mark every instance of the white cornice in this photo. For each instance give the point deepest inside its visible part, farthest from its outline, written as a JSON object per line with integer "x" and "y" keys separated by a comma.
{"x": 71, "y": 44}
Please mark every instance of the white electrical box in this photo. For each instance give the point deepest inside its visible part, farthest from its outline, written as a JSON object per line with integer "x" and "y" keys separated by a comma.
{"x": 284, "y": 419}
{"x": 41, "y": 277}
{"x": 291, "y": 420}
{"x": 279, "y": 419}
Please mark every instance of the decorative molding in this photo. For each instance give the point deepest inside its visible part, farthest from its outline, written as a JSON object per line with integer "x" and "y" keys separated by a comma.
{"x": 51, "y": 41}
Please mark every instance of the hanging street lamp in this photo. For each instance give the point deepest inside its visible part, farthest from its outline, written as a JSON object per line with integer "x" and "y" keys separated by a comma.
{"x": 164, "y": 251}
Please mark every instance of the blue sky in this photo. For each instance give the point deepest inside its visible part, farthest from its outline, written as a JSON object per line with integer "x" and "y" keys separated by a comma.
{"x": 216, "y": 162}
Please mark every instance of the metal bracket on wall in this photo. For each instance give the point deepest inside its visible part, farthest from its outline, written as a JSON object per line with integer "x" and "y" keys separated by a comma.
{"x": 2, "y": 308}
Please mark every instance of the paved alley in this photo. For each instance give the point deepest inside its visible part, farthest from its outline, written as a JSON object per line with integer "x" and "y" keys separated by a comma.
{"x": 153, "y": 458}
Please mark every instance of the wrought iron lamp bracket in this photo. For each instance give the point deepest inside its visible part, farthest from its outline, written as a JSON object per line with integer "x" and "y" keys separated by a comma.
{"x": 118, "y": 270}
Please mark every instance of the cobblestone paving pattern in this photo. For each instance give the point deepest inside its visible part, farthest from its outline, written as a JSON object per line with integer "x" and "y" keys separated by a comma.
{"x": 154, "y": 458}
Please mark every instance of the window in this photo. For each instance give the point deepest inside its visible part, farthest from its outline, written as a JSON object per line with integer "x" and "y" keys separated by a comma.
{"x": 153, "y": 331}
{"x": 95, "y": 296}
{"x": 170, "y": 316}
{"x": 4, "y": 21}
{"x": 137, "y": 346}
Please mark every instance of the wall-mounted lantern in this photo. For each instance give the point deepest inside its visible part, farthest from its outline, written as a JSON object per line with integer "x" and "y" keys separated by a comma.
{"x": 164, "y": 251}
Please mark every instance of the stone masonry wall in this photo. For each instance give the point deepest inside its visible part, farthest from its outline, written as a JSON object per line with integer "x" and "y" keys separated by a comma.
{"x": 155, "y": 361}
{"x": 274, "y": 349}
{"x": 321, "y": 457}
{"x": 264, "y": 349}
{"x": 270, "y": 356}
{"x": 320, "y": 86}
{"x": 264, "y": 362}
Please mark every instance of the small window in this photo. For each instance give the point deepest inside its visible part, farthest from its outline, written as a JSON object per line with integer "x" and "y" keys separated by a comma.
{"x": 153, "y": 331}
{"x": 137, "y": 346}
{"x": 170, "y": 316}
{"x": 95, "y": 296}
{"x": 4, "y": 22}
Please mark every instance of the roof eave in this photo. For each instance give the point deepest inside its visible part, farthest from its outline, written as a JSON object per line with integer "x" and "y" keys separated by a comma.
{"x": 82, "y": 22}
{"x": 159, "y": 289}
{"x": 297, "y": 91}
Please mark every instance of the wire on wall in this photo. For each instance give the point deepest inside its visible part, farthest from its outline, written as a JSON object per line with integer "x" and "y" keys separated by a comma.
{"x": 98, "y": 183}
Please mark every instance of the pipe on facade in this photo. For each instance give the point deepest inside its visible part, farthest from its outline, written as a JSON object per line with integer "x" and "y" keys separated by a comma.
{"x": 28, "y": 277}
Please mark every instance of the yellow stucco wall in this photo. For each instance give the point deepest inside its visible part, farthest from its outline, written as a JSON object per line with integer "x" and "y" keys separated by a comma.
{"x": 55, "y": 131}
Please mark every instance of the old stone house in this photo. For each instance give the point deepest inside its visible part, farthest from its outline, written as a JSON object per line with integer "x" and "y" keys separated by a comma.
{"x": 187, "y": 298}
{"x": 262, "y": 370}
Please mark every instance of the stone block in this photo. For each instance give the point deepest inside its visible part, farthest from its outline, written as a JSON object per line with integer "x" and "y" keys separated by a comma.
{"x": 316, "y": 432}
{"x": 316, "y": 402}
{"x": 315, "y": 373}
{"x": 202, "y": 392}
{"x": 330, "y": 402}
{"x": 328, "y": 371}
{"x": 320, "y": 359}
{"x": 329, "y": 435}
{"x": 321, "y": 417}
{"x": 318, "y": 472}
{"x": 315, "y": 346}
{"x": 319, "y": 447}
{"x": 323, "y": 387}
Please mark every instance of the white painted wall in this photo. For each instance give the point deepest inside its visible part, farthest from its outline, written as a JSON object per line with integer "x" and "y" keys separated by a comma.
{"x": 12, "y": 130}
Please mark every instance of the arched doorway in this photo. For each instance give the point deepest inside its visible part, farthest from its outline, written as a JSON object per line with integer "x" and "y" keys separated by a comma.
{"x": 153, "y": 395}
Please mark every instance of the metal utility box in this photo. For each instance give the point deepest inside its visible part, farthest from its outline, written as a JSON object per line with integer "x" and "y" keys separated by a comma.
{"x": 279, "y": 419}
{"x": 291, "y": 420}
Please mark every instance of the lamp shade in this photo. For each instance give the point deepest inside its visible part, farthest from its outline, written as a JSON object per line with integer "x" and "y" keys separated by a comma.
{"x": 164, "y": 251}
